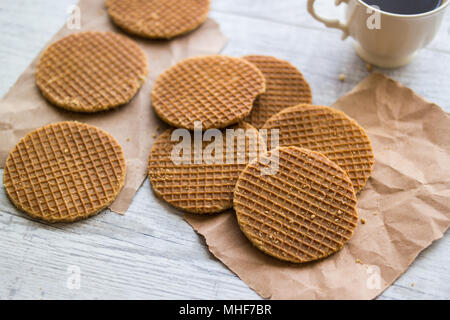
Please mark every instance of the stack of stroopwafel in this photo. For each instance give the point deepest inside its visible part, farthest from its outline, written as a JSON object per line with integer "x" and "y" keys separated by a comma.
{"x": 212, "y": 93}
{"x": 296, "y": 202}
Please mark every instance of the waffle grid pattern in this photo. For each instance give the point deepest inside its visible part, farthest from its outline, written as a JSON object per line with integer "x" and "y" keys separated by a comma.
{"x": 305, "y": 212}
{"x": 198, "y": 188}
{"x": 330, "y": 132}
{"x": 64, "y": 172}
{"x": 163, "y": 19}
{"x": 91, "y": 71}
{"x": 216, "y": 90}
{"x": 285, "y": 87}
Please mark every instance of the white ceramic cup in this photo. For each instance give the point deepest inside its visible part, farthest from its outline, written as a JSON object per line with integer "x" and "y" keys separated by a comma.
{"x": 385, "y": 39}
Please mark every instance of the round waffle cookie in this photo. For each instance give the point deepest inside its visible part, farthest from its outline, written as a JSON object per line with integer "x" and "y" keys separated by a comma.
{"x": 304, "y": 212}
{"x": 328, "y": 131}
{"x": 159, "y": 19}
{"x": 285, "y": 87}
{"x": 216, "y": 90}
{"x": 205, "y": 185}
{"x": 64, "y": 172}
{"x": 91, "y": 71}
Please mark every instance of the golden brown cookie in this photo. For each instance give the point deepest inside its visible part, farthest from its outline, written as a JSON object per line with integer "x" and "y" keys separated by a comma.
{"x": 91, "y": 71}
{"x": 216, "y": 90}
{"x": 304, "y": 212}
{"x": 160, "y": 19}
{"x": 328, "y": 131}
{"x": 285, "y": 87}
{"x": 65, "y": 171}
{"x": 204, "y": 186}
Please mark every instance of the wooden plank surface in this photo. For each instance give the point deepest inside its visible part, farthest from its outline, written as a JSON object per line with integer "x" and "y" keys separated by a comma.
{"x": 151, "y": 252}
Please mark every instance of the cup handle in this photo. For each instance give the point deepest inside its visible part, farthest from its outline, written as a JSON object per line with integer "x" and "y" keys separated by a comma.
{"x": 330, "y": 23}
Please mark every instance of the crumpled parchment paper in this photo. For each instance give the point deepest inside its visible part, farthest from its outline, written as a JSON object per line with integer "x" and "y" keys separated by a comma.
{"x": 406, "y": 204}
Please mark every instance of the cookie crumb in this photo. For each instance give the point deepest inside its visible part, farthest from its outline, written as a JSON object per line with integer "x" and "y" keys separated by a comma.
{"x": 342, "y": 77}
{"x": 358, "y": 261}
{"x": 313, "y": 216}
{"x": 363, "y": 221}
{"x": 128, "y": 139}
{"x": 369, "y": 67}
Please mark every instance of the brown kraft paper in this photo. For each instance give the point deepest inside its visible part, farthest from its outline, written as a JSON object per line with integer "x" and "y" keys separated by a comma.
{"x": 405, "y": 204}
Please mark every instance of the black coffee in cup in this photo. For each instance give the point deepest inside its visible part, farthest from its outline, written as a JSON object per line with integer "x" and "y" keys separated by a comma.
{"x": 405, "y": 6}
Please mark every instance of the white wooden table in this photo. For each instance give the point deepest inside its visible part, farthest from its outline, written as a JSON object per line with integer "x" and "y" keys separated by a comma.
{"x": 151, "y": 252}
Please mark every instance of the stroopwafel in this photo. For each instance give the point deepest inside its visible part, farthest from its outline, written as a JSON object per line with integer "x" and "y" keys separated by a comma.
{"x": 65, "y": 171}
{"x": 328, "y": 131}
{"x": 205, "y": 186}
{"x": 158, "y": 19}
{"x": 91, "y": 71}
{"x": 304, "y": 212}
{"x": 217, "y": 90}
{"x": 285, "y": 87}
